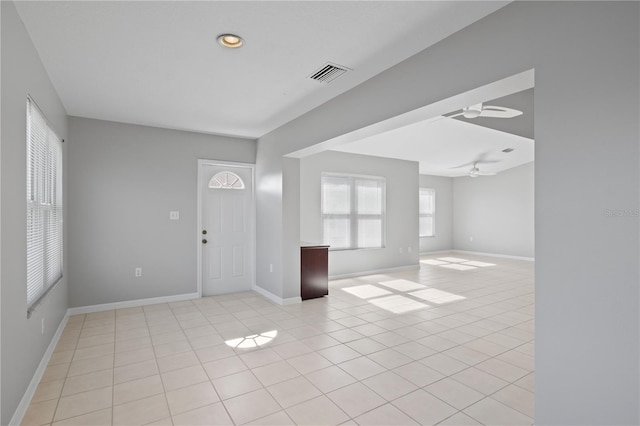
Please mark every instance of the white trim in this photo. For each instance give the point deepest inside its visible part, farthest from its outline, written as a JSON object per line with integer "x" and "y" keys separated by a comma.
{"x": 280, "y": 301}
{"x": 505, "y": 256}
{"x": 375, "y": 271}
{"x": 132, "y": 303}
{"x": 21, "y": 410}
{"x": 435, "y": 252}
{"x": 201, "y": 163}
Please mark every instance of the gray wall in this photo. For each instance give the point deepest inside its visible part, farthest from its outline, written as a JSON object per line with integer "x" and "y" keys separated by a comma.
{"x": 23, "y": 345}
{"x": 401, "y": 209}
{"x": 443, "y": 239}
{"x": 124, "y": 180}
{"x": 587, "y": 369}
{"x": 496, "y": 211}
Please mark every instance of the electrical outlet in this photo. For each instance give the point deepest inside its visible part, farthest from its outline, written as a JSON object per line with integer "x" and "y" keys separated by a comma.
{"x": 174, "y": 215}
{"x": 42, "y": 326}
{"x": 409, "y": 250}
{"x": 138, "y": 272}
{"x": 271, "y": 267}
{"x": 400, "y": 249}
{"x": 470, "y": 239}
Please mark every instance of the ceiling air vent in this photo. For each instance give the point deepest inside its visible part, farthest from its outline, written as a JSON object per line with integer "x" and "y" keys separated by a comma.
{"x": 328, "y": 73}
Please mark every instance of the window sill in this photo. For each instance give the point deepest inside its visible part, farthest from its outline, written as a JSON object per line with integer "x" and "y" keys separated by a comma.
{"x": 35, "y": 305}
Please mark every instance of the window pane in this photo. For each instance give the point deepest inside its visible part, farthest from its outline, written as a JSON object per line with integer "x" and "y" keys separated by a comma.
{"x": 369, "y": 233}
{"x": 427, "y": 198}
{"x": 426, "y": 227}
{"x": 337, "y": 232}
{"x": 336, "y": 195}
{"x": 369, "y": 196}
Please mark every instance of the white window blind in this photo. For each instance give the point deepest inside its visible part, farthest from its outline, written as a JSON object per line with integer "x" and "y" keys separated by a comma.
{"x": 44, "y": 206}
{"x": 353, "y": 211}
{"x": 427, "y": 212}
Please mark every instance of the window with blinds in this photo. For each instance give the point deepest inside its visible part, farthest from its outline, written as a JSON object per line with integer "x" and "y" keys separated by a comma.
{"x": 44, "y": 206}
{"x": 427, "y": 212}
{"x": 353, "y": 211}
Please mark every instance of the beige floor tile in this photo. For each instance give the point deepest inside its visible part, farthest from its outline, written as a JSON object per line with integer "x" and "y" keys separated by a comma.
{"x": 133, "y": 344}
{"x": 132, "y": 333}
{"x": 467, "y": 355}
{"x": 276, "y": 419}
{"x": 293, "y": 391}
{"x": 251, "y": 406}
{"x": 63, "y": 357}
{"x": 339, "y": 353}
{"x": 275, "y": 373}
{"x": 141, "y": 411}
{"x": 101, "y": 339}
{"x": 94, "y": 351}
{"x": 91, "y": 365}
{"x": 95, "y": 331}
{"x": 356, "y": 399}
{"x": 177, "y": 379}
{"x": 137, "y": 389}
{"x": 444, "y": 364}
{"x": 454, "y": 393}
{"x": 503, "y": 370}
{"x": 135, "y": 371}
{"x": 172, "y": 348}
{"x": 134, "y": 356}
{"x": 87, "y": 382}
{"x": 491, "y": 412}
{"x": 389, "y": 385}
{"x": 318, "y": 411}
{"x": 518, "y": 359}
{"x": 191, "y": 397}
{"x": 418, "y": 373}
{"x": 236, "y": 384}
{"x": 260, "y": 357}
{"x": 97, "y": 418}
{"x": 310, "y": 362}
{"x": 329, "y": 379}
{"x": 47, "y": 391}
{"x": 361, "y": 368}
{"x": 385, "y": 415}
{"x": 214, "y": 414}
{"x": 174, "y": 336}
{"x": 55, "y": 372}
{"x": 390, "y": 358}
{"x": 527, "y": 382}
{"x": 424, "y": 407}
{"x": 40, "y": 413}
{"x": 224, "y": 367}
{"x": 459, "y": 419}
{"x": 517, "y": 398}
{"x": 83, "y": 403}
{"x": 479, "y": 380}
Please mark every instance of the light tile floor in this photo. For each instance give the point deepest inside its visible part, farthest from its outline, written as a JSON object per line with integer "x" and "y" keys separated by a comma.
{"x": 450, "y": 344}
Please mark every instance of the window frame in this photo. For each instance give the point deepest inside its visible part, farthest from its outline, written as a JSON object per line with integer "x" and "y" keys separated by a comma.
{"x": 44, "y": 200}
{"x": 353, "y": 215}
{"x": 431, "y": 214}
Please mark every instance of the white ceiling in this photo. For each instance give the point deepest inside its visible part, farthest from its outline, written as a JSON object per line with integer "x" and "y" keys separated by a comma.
{"x": 157, "y": 63}
{"x": 441, "y": 144}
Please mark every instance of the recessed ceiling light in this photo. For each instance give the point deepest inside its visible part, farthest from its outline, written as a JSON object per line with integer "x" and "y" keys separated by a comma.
{"x": 232, "y": 41}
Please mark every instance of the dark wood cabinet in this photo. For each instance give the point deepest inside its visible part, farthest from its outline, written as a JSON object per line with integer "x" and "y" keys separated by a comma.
{"x": 314, "y": 271}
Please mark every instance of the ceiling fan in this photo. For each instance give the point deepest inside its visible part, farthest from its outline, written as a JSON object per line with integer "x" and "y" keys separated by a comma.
{"x": 475, "y": 171}
{"x": 487, "y": 111}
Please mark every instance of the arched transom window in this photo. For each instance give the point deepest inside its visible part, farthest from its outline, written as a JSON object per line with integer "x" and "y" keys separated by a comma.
{"x": 226, "y": 180}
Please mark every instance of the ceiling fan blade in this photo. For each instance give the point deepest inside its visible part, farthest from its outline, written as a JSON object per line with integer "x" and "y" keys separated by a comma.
{"x": 491, "y": 111}
{"x": 486, "y": 173}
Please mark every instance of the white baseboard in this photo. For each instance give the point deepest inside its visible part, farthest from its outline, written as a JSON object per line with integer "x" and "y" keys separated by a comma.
{"x": 504, "y": 256}
{"x": 374, "y": 271}
{"x": 18, "y": 415}
{"x": 426, "y": 253}
{"x": 132, "y": 303}
{"x": 274, "y": 298}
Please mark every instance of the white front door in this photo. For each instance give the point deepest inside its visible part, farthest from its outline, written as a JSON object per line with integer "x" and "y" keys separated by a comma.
{"x": 227, "y": 235}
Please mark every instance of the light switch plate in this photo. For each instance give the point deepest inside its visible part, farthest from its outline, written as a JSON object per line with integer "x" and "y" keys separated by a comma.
{"x": 175, "y": 215}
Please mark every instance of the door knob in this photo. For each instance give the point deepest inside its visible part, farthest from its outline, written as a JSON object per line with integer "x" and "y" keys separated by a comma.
{"x": 204, "y": 241}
